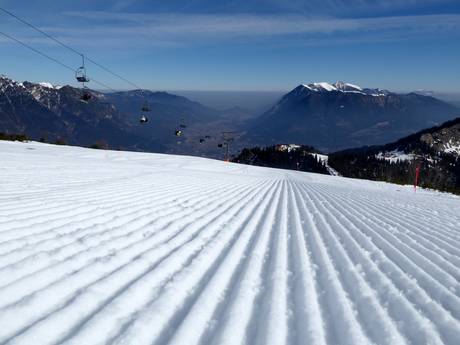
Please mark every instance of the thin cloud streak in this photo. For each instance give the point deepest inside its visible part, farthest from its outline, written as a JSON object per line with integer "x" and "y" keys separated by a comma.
{"x": 111, "y": 29}
{"x": 260, "y": 25}
{"x": 186, "y": 27}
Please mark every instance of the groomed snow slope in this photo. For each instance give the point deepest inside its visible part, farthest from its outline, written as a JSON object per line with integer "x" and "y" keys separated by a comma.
{"x": 105, "y": 247}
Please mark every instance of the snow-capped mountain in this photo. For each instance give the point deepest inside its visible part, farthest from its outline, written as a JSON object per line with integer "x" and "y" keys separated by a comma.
{"x": 43, "y": 110}
{"x": 340, "y": 115}
{"x": 51, "y": 113}
{"x": 341, "y": 86}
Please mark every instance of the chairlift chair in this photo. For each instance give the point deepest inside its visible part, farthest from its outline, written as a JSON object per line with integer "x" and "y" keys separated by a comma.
{"x": 80, "y": 75}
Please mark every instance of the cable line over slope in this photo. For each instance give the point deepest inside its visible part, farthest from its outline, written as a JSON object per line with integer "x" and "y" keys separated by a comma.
{"x": 64, "y": 45}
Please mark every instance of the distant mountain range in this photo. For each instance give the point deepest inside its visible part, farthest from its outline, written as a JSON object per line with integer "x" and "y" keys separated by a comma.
{"x": 328, "y": 116}
{"x": 167, "y": 113}
{"x": 434, "y": 151}
{"x": 336, "y": 116}
{"x": 45, "y": 111}
{"x": 51, "y": 113}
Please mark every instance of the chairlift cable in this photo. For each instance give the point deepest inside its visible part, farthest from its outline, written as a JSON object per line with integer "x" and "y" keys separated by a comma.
{"x": 71, "y": 49}
{"x": 51, "y": 58}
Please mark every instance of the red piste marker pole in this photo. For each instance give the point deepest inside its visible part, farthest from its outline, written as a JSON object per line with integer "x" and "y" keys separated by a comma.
{"x": 417, "y": 174}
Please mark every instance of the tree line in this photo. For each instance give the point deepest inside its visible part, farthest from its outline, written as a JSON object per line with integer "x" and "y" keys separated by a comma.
{"x": 302, "y": 158}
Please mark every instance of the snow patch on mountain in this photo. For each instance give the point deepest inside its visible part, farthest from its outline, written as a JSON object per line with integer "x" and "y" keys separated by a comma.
{"x": 395, "y": 156}
{"x": 325, "y": 159}
{"x": 341, "y": 86}
{"x": 452, "y": 147}
{"x": 46, "y": 85}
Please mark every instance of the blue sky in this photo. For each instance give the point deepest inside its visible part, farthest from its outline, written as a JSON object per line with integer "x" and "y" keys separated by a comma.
{"x": 242, "y": 45}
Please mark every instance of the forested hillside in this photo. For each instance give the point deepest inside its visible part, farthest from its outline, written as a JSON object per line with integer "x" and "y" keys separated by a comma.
{"x": 291, "y": 157}
{"x": 436, "y": 151}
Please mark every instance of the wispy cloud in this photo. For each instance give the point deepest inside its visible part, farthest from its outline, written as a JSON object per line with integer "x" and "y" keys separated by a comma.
{"x": 354, "y": 7}
{"x": 114, "y": 29}
{"x": 186, "y": 27}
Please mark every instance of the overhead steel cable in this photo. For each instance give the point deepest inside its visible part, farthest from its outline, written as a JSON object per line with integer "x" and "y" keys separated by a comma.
{"x": 36, "y": 51}
{"x": 51, "y": 58}
{"x": 70, "y": 48}
{"x": 39, "y": 30}
{"x": 113, "y": 73}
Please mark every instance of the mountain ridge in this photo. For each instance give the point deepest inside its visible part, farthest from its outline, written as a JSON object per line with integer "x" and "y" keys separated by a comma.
{"x": 45, "y": 111}
{"x": 333, "y": 119}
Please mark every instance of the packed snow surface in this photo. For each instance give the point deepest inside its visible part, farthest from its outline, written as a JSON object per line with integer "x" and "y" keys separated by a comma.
{"x": 106, "y": 247}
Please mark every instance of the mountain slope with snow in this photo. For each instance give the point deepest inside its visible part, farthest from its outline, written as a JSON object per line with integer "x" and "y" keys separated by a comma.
{"x": 435, "y": 151}
{"x": 106, "y": 247}
{"x": 337, "y": 116}
{"x": 341, "y": 86}
{"x": 42, "y": 110}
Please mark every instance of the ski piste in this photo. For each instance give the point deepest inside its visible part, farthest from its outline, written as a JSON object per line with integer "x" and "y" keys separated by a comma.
{"x": 137, "y": 248}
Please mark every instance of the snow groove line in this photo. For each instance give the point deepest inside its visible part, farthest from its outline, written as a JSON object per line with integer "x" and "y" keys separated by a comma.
{"x": 448, "y": 324}
{"x": 108, "y": 192}
{"x": 77, "y": 225}
{"x": 162, "y": 278}
{"x": 340, "y": 316}
{"x": 57, "y": 195}
{"x": 238, "y": 313}
{"x": 274, "y": 329}
{"x": 416, "y": 205}
{"x": 32, "y": 283}
{"x": 398, "y": 305}
{"x": 436, "y": 254}
{"x": 111, "y": 198}
{"x": 417, "y": 208}
{"x": 431, "y": 267}
{"x": 116, "y": 218}
{"x": 408, "y": 218}
{"x": 83, "y": 264}
{"x": 418, "y": 212}
{"x": 308, "y": 316}
{"x": 62, "y": 186}
{"x": 442, "y": 295}
{"x": 371, "y": 312}
{"x": 189, "y": 279}
{"x": 216, "y": 293}
{"x": 441, "y": 245}
{"x": 107, "y": 230}
{"x": 434, "y": 235}
{"x": 90, "y": 294}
